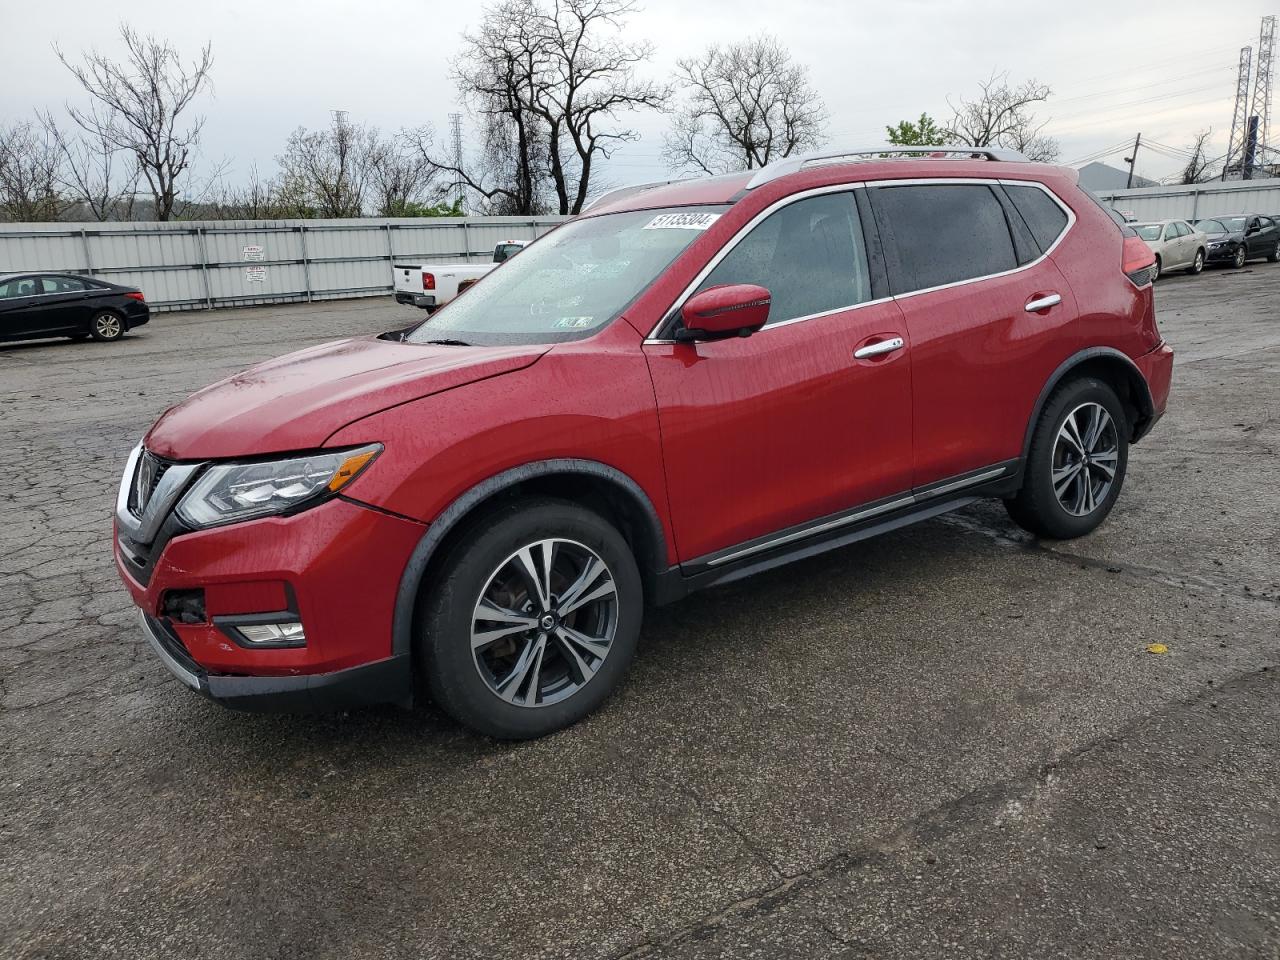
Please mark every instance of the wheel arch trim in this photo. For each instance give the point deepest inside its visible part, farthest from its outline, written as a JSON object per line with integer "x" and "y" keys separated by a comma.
{"x": 462, "y": 506}
{"x": 1141, "y": 395}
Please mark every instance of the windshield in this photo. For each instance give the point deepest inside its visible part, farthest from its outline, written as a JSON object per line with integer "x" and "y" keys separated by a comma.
{"x": 571, "y": 282}
{"x": 1221, "y": 225}
{"x": 1148, "y": 231}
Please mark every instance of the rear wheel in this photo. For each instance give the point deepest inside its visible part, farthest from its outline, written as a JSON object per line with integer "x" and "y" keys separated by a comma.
{"x": 1197, "y": 264}
{"x": 533, "y": 620}
{"x": 106, "y": 325}
{"x": 1076, "y": 464}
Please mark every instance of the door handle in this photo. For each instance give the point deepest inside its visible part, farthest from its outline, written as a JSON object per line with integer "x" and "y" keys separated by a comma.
{"x": 1043, "y": 303}
{"x": 876, "y": 349}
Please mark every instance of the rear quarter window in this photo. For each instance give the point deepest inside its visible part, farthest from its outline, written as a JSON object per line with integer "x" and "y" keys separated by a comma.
{"x": 1044, "y": 217}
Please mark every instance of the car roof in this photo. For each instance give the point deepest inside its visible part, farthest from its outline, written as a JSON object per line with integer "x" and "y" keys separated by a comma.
{"x": 803, "y": 171}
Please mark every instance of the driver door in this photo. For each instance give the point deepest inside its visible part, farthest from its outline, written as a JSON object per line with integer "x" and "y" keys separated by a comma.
{"x": 767, "y": 432}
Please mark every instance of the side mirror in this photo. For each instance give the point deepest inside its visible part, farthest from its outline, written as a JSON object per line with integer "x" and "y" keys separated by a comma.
{"x": 1253, "y": 228}
{"x": 729, "y": 310}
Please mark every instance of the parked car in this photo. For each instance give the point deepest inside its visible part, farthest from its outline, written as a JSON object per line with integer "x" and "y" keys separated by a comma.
{"x": 38, "y": 305}
{"x": 1238, "y": 239}
{"x": 1175, "y": 243}
{"x": 685, "y": 385}
{"x": 431, "y": 286}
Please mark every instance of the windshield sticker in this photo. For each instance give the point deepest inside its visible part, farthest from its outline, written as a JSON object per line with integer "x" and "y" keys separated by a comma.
{"x": 682, "y": 221}
{"x": 572, "y": 323}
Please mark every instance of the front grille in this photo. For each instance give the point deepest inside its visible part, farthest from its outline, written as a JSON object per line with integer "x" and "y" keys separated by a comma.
{"x": 145, "y": 480}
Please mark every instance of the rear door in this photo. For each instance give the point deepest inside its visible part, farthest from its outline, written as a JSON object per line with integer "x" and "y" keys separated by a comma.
{"x": 1263, "y": 243}
{"x": 66, "y": 304}
{"x": 768, "y": 432}
{"x": 988, "y": 314}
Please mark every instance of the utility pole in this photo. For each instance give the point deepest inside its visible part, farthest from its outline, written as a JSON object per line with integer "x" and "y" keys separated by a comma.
{"x": 1132, "y": 161}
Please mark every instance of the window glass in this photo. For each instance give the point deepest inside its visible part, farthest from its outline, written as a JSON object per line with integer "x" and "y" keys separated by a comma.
{"x": 570, "y": 283}
{"x": 1184, "y": 229}
{"x": 947, "y": 232}
{"x": 1267, "y": 223}
{"x": 1172, "y": 232}
{"x": 1043, "y": 216}
{"x": 61, "y": 284}
{"x": 810, "y": 255}
{"x": 1147, "y": 231}
{"x": 20, "y": 287}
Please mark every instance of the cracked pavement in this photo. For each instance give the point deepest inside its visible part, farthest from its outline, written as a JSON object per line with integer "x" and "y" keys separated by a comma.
{"x": 949, "y": 741}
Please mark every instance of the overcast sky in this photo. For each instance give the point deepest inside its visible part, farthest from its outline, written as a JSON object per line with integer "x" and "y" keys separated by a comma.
{"x": 1166, "y": 69}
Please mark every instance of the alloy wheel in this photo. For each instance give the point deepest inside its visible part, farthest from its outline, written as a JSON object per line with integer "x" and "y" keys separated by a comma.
{"x": 1199, "y": 263}
{"x": 544, "y": 623}
{"x": 107, "y": 326}
{"x": 1240, "y": 257}
{"x": 1085, "y": 457}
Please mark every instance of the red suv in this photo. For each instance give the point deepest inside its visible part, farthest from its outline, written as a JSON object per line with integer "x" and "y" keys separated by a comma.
{"x": 690, "y": 383}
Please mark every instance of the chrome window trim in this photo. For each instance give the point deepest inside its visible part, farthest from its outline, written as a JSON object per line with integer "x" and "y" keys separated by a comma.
{"x": 737, "y": 238}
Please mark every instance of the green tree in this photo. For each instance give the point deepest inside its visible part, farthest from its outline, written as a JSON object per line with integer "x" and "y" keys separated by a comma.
{"x": 923, "y": 133}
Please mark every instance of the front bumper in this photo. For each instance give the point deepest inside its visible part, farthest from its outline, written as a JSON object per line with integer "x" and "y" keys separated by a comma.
{"x": 386, "y": 681}
{"x": 335, "y": 568}
{"x": 1223, "y": 254}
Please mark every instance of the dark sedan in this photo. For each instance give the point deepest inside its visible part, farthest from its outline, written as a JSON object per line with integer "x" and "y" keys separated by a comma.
{"x": 1239, "y": 238}
{"x": 35, "y": 305}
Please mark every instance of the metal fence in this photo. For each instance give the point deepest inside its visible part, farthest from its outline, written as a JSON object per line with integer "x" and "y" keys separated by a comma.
{"x": 1193, "y": 201}
{"x": 204, "y": 264}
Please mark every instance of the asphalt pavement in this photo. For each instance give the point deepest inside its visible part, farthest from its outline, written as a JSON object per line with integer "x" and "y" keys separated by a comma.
{"x": 950, "y": 741}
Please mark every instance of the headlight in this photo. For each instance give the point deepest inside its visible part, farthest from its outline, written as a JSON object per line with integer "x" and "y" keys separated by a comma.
{"x": 229, "y": 492}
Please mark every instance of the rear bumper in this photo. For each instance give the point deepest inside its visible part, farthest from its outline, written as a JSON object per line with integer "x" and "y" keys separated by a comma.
{"x": 425, "y": 301}
{"x": 381, "y": 682}
{"x": 1157, "y": 369}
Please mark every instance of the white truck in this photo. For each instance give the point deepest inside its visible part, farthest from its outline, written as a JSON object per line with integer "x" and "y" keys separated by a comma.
{"x": 432, "y": 285}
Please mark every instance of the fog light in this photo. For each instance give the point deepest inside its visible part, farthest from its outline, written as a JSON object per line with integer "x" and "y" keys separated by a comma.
{"x": 273, "y": 633}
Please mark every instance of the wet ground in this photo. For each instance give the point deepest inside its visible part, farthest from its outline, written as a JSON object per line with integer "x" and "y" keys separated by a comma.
{"x": 950, "y": 741}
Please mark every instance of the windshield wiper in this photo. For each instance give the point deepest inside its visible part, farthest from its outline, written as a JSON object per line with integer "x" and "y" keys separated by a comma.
{"x": 449, "y": 343}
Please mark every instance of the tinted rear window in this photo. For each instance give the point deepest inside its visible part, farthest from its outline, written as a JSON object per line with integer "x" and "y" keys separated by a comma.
{"x": 944, "y": 233}
{"x": 1043, "y": 216}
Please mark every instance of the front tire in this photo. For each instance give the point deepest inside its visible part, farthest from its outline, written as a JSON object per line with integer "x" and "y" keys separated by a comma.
{"x": 1274, "y": 255}
{"x": 1240, "y": 257}
{"x": 1155, "y": 270}
{"x": 531, "y": 621}
{"x": 106, "y": 326}
{"x": 1198, "y": 264}
{"x": 1076, "y": 465}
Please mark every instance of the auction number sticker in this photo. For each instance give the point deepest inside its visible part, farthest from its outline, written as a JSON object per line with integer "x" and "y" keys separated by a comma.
{"x": 682, "y": 221}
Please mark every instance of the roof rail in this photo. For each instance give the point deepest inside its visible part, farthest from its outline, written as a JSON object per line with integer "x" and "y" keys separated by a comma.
{"x": 620, "y": 193}
{"x": 780, "y": 168}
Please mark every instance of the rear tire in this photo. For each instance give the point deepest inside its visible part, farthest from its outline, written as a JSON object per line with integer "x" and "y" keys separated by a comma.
{"x": 1197, "y": 264}
{"x": 573, "y": 652}
{"x": 1074, "y": 470}
{"x": 106, "y": 326}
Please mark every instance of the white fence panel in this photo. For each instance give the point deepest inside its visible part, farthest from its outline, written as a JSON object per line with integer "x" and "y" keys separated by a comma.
{"x": 1195, "y": 201}
{"x": 194, "y": 265}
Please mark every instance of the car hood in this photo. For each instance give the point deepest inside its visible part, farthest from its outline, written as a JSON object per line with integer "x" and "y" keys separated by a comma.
{"x": 297, "y": 401}
{"x": 1236, "y": 235}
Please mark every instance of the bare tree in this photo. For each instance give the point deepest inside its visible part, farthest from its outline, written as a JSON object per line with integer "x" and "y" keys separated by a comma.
{"x": 140, "y": 107}
{"x": 1197, "y": 168}
{"x": 547, "y": 81}
{"x": 749, "y": 103}
{"x": 30, "y": 174}
{"x": 326, "y": 173}
{"x": 400, "y": 175}
{"x": 100, "y": 178}
{"x": 1001, "y": 116}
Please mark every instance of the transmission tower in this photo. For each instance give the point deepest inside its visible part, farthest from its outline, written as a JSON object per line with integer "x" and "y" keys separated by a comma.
{"x": 455, "y": 122}
{"x": 1239, "y": 117}
{"x": 1260, "y": 113}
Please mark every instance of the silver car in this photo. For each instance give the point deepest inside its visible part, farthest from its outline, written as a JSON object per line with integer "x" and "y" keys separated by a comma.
{"x": 1176, "y": 244}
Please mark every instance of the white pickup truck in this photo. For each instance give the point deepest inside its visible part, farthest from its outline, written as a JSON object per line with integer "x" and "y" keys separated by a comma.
{"x": 432, "y": 285}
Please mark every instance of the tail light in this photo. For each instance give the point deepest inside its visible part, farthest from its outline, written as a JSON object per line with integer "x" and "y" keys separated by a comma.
{"x": 1137, "y": 260}
{"x": 136, "y": 295}
{"x": 428, "y": 280}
